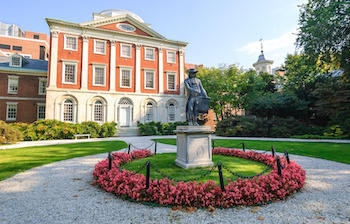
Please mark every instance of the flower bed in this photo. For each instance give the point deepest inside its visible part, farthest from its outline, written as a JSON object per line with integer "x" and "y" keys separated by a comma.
{"x": 258, "y": 190}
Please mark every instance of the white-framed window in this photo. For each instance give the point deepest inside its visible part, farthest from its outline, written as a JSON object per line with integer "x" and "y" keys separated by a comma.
{"x": 42, "y": 86}
{"x": 16, "y": 61}
{"x": 69, "y": 72}
{"x": 12, "y": 84}
{"x": 41, "y": 111}
{"x": 99, "y": 47}
{"x": 149, "y": 76}
{"x": 125, "y": 77}
{"x": 70, "y": 43}
{"x": 171, "y": 112}
{"x": 149, "y": 54}
{"x": 98, "y": 111}
{"x": 149, "y": 112}
{"x": 125, "y": 50}
{"x": 171, "y": 57}
{"x": 98, "y": 74}
{"x": 68, "y": 110}
{"x": 11, "y": 111}
{"x": 171, "y": 81}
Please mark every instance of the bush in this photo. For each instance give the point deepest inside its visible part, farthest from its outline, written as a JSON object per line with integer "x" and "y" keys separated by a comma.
{"x": 53, "y": 129}
{"x": 9, "y": 134}
{"x": 158, "y": 128}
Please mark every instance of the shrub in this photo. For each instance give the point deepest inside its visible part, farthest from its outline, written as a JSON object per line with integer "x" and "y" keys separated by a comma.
{"x": 108, "y": 129}
{"x": 9, "y": 134}
{"x": 241, "y": 126}
{"x": 158, "y": 128}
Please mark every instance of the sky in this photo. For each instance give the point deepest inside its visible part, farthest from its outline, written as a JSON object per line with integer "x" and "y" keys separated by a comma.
{"x": 217, "y": 32}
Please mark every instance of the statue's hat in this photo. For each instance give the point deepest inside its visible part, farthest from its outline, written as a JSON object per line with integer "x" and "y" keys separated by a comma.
{"x": 192, "y": 70}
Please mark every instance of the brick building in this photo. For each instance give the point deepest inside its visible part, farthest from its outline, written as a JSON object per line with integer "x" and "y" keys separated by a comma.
{"x": 31, "y": 45}
{"x": 114, "y": 68}
{"x": 22, "y": 89}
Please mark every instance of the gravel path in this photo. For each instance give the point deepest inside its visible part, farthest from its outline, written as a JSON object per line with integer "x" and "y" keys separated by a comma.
{"x": 62, "y": 192}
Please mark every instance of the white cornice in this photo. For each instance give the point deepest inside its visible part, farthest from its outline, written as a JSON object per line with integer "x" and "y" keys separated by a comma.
{"x": 23, "y": 72}
{"x": 263, "y": 62}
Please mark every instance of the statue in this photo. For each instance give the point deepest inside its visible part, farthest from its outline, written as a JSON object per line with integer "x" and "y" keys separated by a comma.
{"x": 197, "y": 101}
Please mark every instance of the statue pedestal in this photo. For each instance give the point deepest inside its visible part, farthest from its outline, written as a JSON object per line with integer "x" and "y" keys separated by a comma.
{"x": 193, "y": 146}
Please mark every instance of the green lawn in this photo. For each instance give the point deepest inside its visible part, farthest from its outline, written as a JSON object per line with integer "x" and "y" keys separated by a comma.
{"x": 13, "y": 161}
{"x": 166, "y": 163}
{"x": 339, "y": 152}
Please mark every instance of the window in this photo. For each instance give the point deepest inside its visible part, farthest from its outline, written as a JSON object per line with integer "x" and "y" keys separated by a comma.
{"x": 11, "y": 111}
{"x": 41, "y": 111}
{"x": 125, "y": 77}
{"x": 69, "y": 72}
{"x": 99, "y": 75}
{"x": 171, "y": 81}
{"x": 99, "y": 47}
{"x": 125, "y": 50}
{"x": 149, "y": 79}
{"x": 36, "y": 36}
{"x": 15, "y": 61}
{"x": 12, "y": 85}
{"x": 68, "y": 112}
{"x": 70, "y": 43}
{"x": 5, "y": 46}
{"x": 98, "y": 111}
{"x": 42, "y": 86}
{"x": 149, "y": 112}
{"x": 17, "y": 48}
{"x": 171, "y": 57}
{"x": 149, "y": 54}
{"x": 171, "y": 112}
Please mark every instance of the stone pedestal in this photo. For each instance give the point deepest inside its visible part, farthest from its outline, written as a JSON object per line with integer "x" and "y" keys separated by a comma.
{"x": 193, "y": 146}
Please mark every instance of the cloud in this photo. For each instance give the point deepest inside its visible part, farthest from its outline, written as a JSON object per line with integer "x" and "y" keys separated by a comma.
{"x": 286, "y": 40}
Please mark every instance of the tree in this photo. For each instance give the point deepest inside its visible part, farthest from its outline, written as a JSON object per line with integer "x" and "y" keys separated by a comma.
{"x": 325, "y": 31}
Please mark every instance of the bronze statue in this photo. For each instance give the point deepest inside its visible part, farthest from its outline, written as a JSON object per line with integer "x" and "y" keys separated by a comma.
{"x": 197, "y": 101}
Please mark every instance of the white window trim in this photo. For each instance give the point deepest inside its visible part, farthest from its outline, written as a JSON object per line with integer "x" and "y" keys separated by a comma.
{"x": 175, "y": 107}
{"x": 154, "y": 53}
{"x": 103, "y": 111}
{"x": 167, "y": 58}
{"x": 121, "y": 69}
{"x": 65, "y": 43}
{"x": 42, "y": 80}
{"x": 153, "y": 111}
{"x": 8, "y": 84}
{"x": 20, "y": 62}
{"x": 37, "y": 114}
{"x": 121, "y": 50}
{"x": 68, "y": 62}
{"x": 74, "y": 110}
{"x": 7, "y": 110}
{"x": 145, "y": 76}
{"x": 101, "y": 41}
{"x": 97, "y": 65}
{"x": 175, "y": 80}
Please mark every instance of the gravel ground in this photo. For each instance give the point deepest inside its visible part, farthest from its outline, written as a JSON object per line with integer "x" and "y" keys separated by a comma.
{"x": 63, "y": 192}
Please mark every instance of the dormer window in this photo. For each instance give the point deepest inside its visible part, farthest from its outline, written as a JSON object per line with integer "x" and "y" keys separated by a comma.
{"x": 16, "y": 62}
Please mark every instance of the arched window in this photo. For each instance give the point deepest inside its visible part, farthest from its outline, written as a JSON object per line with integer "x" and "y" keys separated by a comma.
{"x": 149, "y": 112}
{"x": 98, "y": 111}
{"x": 68, "y": 110}
{"x": 171, "y": 112}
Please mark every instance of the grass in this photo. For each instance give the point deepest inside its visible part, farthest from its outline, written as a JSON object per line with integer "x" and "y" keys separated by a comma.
{"x": 166, "y": 163}
{"x": 13, "y": 161}
{"x": 339, "y": 152}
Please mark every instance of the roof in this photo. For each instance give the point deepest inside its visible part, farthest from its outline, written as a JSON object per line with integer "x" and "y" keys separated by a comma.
{"x": 32, "y": 65}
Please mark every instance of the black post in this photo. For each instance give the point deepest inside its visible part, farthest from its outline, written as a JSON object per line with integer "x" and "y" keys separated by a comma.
{"x": 212, "y": 144}
{"x": 147, "y": 175}
{"x": 279, "y": 167}
{"x": 243, "y": 146}
{"x": 129, "y": 146}
{"x": 109, "y": 160}
{"x": 273, "y": 151}
{"x": 155, "y": 147}
{"x": 287, "y": 156}
{"x": 220, "y": 177}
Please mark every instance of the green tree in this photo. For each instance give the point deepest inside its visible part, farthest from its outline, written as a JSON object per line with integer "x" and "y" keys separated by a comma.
{"x": 325, "y": 31}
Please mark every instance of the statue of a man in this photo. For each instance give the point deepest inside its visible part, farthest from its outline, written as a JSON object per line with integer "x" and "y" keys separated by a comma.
{"x": 195, "y": 92}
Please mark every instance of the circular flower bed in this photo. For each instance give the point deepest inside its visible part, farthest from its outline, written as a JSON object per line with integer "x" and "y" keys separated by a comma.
{"x": 258, "y": 190}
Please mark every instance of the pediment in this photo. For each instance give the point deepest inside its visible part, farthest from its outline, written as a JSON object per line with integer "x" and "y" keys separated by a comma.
{"x": 123, "y": 23}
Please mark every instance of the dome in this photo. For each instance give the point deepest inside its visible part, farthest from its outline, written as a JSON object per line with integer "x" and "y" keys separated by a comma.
{"x": 117, "y": 12}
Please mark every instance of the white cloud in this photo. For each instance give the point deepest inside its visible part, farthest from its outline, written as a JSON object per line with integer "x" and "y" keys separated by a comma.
{"x": 286, "y": 40}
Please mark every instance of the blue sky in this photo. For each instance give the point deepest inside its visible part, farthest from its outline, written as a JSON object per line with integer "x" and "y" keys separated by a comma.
{"x": 217, "y": 32}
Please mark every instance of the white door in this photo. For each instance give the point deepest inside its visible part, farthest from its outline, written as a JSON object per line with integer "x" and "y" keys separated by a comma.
{"x": 124, "y": 118}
